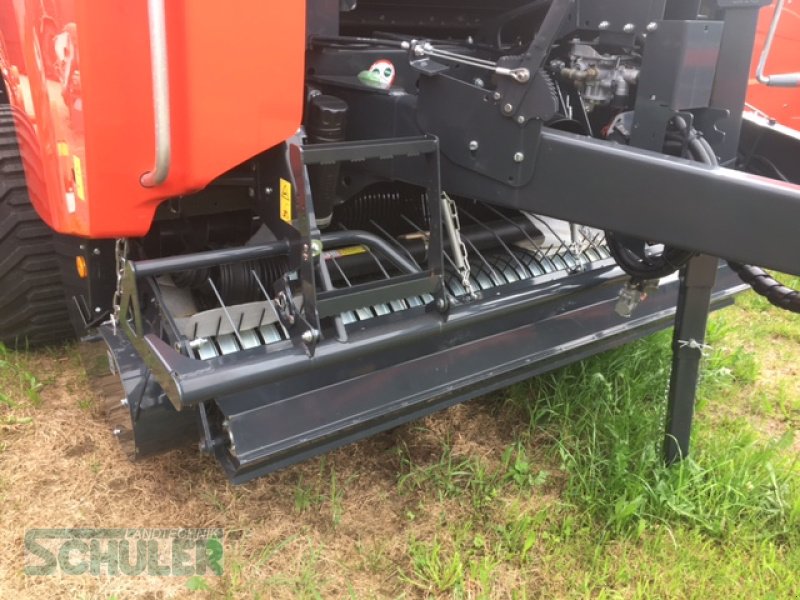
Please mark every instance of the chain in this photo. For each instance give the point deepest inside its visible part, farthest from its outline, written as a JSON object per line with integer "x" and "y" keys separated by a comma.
{"x": 460, "y": 256}
{"x": 120, "y": 256}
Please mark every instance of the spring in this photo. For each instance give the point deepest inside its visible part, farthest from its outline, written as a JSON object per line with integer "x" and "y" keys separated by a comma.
{"x": 382, "y": 204}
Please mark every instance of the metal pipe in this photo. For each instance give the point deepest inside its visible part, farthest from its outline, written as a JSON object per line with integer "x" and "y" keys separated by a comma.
{"x": 345, "y": 238}
{"x": 159, "y": 66}
{"x": 161, "y": 266}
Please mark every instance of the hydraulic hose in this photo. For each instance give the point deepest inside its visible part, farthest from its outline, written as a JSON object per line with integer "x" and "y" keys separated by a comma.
{"x": 757, "y": 278}
{"x": 629, "y": 252}
{"x": 767, "y": 286}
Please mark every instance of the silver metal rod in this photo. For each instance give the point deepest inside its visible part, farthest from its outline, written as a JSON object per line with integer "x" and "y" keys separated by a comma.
{"x": 226, "y": 313}
{"x": 159, "y": 67}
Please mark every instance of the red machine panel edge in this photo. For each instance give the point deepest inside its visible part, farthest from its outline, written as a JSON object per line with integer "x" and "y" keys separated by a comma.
{"x": 80, "y": 72}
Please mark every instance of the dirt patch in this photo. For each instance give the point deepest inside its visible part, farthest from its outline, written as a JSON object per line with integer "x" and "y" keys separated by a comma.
{"x": 340, "y": 520}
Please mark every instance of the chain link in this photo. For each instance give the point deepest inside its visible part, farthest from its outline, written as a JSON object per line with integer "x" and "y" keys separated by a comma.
{"x": 460, "y": 255}
{"x": 120, "y": 257}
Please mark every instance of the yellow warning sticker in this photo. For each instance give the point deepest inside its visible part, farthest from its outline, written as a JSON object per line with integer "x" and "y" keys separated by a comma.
{"x": 77, "y": 170}
{"x": 63, "y": 149}
{"x": 286, "y": 201}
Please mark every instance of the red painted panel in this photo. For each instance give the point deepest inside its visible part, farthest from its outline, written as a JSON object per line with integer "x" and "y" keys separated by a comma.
{"x": 81, "y": 71}
{"x": 782, "y": 104}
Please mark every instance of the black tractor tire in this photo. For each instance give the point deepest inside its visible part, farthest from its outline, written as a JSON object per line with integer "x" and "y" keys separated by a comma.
{"x": 33, "y": 306}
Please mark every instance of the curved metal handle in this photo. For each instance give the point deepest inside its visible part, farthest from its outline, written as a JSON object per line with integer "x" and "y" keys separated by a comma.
{"x": 783, "y": 79}
{"x": 160, "y": 71}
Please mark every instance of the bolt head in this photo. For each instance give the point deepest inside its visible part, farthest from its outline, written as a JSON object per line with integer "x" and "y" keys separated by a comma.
{"x": 519, "y": 157}
{"x": 652, "y": 26}
{"x": 474, "y": 145}
{"x": 497, "y": 95}
{"x": 629, "y": 28}
{"x": 604, "y": 25}
{"x": 521, "y": 120}
{"x": 309, "y": 336}
{"x": 96, "y": 251}
{"x": 479, "y": 82}
{"x": 508, "y": 108}
{"x": 124, "y": 402}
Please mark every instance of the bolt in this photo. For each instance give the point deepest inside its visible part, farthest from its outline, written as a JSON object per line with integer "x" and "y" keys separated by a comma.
{"x": 521, "y": 120}
{"x": 652, "y": 26}
{"x": 519, "y": 157}
{"x": 441, "y": 304}
{"x": 316, "y": 247}
{"x": 419, "y": 50}
{"x": 96, "y": 251}
{"x": 603, "y": 25}
{"x": 268, "y": 191}
{"x": 497, "y": 95}
{"x": 98, "y": 310}
{"x": 629, "y": 28}
{"x": 508, "y": 109}
{"x": 523, "y": 75}
{"x": 117, "y": 431}
{"x": 124, "y": 402}
{"x": 310, "y": 336}
{"x": 479, "y": 82}
{"x": 474, "y": 145}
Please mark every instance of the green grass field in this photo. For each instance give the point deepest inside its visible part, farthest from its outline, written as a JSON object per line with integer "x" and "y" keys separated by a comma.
{"x": 554, "y": 488}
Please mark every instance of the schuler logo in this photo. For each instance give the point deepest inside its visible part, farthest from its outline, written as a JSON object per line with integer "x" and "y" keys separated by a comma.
{"x": 125, "y": 552}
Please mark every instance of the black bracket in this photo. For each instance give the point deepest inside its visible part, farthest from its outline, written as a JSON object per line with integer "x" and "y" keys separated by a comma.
{"x": 331, "y": 302}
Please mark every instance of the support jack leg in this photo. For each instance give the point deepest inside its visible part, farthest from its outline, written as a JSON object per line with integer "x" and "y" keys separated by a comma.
{"x": 697, "y": 281}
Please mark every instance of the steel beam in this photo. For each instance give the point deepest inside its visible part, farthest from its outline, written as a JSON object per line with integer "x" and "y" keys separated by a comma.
{"x": 711, "y": 210}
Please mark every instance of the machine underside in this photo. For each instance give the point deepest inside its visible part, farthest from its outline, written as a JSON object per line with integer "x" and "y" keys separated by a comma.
{"x": 452, "y": 217}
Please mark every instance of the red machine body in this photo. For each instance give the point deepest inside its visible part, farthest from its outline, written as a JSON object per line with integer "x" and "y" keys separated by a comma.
{"x": 781, "y": 104}
{"x": 80, "y": 70}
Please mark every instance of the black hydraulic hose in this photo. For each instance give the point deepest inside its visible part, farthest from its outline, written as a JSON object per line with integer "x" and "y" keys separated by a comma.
{"x": 639, "y": 266}
{"x": 757, "y": 278}
{"x": 767, "y": 286}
